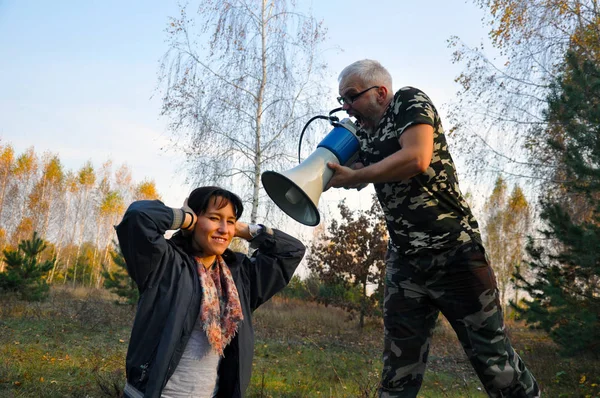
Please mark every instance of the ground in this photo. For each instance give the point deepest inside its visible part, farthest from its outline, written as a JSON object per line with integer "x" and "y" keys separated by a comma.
{"x": 74, "y": 345}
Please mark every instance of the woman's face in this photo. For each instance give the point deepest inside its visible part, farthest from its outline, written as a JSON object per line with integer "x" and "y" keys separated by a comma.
{"x": 214, "y": 229}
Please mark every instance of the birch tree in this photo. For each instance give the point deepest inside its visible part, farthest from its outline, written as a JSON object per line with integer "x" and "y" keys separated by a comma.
{"x": 7, "y": 159}
{"x": 506, "y": 225}
{"x": 146, "y": 190}
{"x": 240, "y": 79}
{"x": 111, "y": 209}
{"x": 103, "y": 189}
{"x": 25, "y": 175}
{"x": 43, "y": 194}
{"x": 66, "y": 230}
{"x": 86, "y": 178}
{"x": 124, "y": 184}
{"x": 499, "y": 114}
{"x": 74, "y": 212}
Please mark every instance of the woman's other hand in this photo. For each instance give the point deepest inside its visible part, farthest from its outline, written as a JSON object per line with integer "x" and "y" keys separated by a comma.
{"x": 242, "y": 230}
{"x": 189, "y": 221}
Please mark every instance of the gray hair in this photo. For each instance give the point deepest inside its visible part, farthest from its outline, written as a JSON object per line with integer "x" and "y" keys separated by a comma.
{"x": 369, "y": 71}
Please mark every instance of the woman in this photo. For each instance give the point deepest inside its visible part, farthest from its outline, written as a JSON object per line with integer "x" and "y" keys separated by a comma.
{"x": 192, "y": 335}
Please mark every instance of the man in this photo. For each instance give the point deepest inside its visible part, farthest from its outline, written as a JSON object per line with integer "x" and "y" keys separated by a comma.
{"x": 435, "y": 260}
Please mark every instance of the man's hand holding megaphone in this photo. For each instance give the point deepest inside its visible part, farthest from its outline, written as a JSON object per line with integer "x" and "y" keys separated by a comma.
{"x": 345, "y": 177}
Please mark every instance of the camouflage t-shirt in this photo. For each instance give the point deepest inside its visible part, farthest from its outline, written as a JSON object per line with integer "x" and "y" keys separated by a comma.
{"x": 426, "y": 212}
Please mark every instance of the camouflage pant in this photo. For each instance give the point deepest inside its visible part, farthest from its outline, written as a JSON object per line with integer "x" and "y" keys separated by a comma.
{"x": 461, "y": 284}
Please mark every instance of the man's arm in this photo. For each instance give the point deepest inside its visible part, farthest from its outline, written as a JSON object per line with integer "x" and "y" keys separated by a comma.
{"x": 414, "y": 158}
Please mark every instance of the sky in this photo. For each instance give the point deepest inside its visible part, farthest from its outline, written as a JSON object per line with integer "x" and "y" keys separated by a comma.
{"x": 79, "y": 78}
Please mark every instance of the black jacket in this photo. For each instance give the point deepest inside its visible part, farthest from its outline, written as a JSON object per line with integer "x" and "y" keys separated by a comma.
{"x": 170, "y": 297}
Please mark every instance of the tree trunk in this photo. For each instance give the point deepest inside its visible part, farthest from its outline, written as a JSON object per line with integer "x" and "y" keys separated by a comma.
{"x": 60, "y": 240}
{"x": 81, "y": 233}
{"x": 259, "y": 110}
{"x": 363, "y": 304}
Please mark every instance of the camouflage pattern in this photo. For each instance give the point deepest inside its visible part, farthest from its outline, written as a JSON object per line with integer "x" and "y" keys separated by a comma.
{"x": 426, "y": 212}
{"x": 462, "y": 285}
{"x": 436, "y": 262}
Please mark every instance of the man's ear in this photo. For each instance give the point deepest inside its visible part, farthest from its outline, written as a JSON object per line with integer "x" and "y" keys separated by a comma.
{"x": 382, "y": 93}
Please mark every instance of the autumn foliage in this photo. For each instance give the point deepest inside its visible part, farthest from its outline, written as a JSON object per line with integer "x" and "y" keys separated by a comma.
{"x": 350, "y": 255}
{"x": 73, "y": 212}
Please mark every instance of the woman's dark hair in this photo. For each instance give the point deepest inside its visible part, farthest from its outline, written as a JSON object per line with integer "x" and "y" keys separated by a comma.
{"x": 200, "y": 198}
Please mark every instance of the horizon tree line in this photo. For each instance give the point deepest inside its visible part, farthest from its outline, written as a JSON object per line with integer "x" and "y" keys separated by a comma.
{"x": 73, "y": 210}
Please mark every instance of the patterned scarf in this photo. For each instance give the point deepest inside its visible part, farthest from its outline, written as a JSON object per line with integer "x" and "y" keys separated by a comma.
{"x": 221, "y": 311}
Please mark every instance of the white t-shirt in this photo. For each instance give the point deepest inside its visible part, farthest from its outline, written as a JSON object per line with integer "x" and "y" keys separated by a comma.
{"x": 196, "y": 373}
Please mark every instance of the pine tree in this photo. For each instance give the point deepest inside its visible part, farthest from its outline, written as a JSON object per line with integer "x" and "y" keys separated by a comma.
{"x": 119, "y": 281}
{"x": 24, "y": 273}
{"x": 565, "y": 294}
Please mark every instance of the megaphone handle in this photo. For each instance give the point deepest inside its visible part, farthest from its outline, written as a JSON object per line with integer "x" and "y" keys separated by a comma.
{"x": 304, "y": 129}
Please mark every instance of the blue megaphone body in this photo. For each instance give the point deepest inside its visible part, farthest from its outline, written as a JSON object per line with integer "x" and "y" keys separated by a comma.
{"x": 297, "y": 191}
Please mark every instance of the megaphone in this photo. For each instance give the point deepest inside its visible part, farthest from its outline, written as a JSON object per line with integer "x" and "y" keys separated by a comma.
{"x": 297, "y": 191}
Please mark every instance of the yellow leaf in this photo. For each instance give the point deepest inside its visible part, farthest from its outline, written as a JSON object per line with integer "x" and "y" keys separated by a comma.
{"x": 582, "y": 380}
{"x": 121, "y": 341}
{"x": 41, "y": 379}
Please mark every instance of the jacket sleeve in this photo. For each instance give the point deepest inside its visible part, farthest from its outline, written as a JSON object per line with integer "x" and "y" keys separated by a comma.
{"x": 141, "y": 237}
{"x": 272, "y": 265}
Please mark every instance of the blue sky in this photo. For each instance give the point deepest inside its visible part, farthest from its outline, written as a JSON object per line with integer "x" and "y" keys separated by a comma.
{"x": 77, "y": 78}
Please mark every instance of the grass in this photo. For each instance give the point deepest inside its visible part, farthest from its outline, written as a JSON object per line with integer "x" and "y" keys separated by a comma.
{"x": 71, "y": 346}
{"x": 74, "y": 345}
{"x": 306, "y": 350}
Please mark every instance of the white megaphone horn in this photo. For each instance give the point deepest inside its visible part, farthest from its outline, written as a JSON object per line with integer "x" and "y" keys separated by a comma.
{"x": 297, "y": 191}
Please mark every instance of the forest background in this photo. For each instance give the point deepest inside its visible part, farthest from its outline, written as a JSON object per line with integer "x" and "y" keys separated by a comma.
{"x": 234, "y": 84}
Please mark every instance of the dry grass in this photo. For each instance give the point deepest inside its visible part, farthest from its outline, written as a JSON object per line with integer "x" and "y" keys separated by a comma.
{"x": 558, "y": 376}
{"x": 74, "y": 346}
{"x": 324, "y": 351}
{"x": 292, "y": 319}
